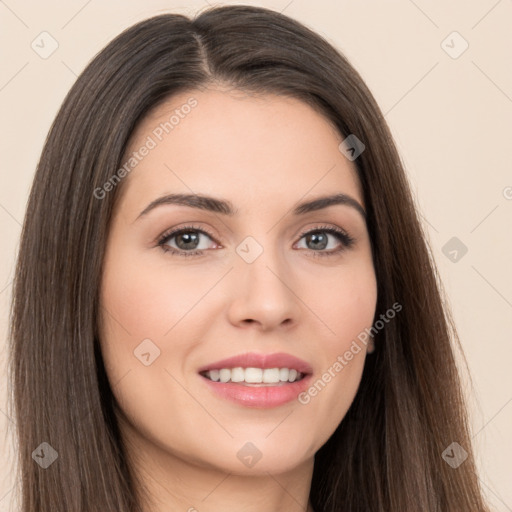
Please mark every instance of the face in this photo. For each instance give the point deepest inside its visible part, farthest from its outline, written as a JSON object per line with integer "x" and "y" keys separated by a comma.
{"x": 185, "y": 287}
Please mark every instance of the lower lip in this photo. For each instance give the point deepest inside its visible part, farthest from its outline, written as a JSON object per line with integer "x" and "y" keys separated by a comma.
{"x": 259, "y": 396}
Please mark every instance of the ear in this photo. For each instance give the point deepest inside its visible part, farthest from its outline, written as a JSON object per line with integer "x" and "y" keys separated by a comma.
{"x": 370, "y": 347}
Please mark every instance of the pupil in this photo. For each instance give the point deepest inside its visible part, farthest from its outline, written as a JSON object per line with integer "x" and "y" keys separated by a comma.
{"x": 187, "y": 237}
{"x": 315, "y": 236}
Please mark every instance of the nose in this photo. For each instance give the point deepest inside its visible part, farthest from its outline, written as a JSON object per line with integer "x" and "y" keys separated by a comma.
{"x": 263, "y": 293}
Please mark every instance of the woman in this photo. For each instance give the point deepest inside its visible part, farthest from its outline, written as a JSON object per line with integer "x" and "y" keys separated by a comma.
{"x": 223, "y": 297}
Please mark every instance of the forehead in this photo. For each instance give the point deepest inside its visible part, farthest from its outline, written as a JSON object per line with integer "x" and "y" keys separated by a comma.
{"x": 255, "y": 149}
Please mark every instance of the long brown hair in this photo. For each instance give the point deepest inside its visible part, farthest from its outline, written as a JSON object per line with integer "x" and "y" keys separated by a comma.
{"x": 386, "y": 455}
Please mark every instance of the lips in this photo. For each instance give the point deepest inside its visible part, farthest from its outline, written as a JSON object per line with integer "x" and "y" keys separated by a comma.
{"x": 262, "y": 396}
{"x": 255, "y": 360}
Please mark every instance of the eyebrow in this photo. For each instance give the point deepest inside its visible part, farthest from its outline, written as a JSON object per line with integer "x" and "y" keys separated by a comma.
{"x": 225, "y": 207}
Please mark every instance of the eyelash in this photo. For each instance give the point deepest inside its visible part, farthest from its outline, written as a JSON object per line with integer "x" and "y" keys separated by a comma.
{"x": 346, "y": 240}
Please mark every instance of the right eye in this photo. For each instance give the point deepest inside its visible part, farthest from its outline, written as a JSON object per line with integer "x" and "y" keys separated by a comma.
{"x": 187, "y": 240}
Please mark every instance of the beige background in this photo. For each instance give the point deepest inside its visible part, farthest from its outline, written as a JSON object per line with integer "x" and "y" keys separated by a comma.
{"x": 451, "y": 118}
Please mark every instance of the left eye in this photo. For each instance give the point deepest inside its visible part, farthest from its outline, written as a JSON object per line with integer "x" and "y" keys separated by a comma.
{"x": 320, "y": 240}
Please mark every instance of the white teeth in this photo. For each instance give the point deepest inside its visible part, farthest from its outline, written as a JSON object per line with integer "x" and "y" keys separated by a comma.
{"x": 237, "y": 374}
{"x": 271, "y": 375}
{"x": 224, "y": 375}
{"x": 254, "y": 375}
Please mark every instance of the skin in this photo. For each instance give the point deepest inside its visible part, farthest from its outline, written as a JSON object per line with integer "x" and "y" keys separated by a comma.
{"x": 264, "y": 154}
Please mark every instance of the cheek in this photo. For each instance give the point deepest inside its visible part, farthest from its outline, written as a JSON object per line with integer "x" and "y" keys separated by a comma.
{"x": 141, "y": 302}
{"x": 346, "y": 304}
{"x": 348, "y": 308}
{"x": 134, "y": 308}
{"x": 142, "y": 299}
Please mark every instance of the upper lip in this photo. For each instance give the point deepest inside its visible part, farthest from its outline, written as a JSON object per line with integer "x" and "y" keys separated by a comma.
{"x": 255, "y": 360}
